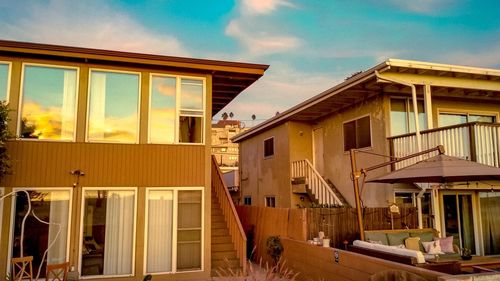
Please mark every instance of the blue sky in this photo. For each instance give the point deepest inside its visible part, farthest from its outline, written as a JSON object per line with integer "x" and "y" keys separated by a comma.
{"x": 311, "y": 45}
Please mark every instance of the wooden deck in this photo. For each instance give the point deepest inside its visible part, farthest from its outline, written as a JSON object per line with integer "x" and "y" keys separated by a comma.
{"x": 481, "y": 264}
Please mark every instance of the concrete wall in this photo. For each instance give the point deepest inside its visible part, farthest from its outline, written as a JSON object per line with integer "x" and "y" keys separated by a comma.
{"x": 261, "y": 177}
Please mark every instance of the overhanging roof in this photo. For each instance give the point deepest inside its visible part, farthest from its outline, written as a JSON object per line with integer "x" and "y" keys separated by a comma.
{"x": 366, "y": 85}
{"x": 228, "y": 78}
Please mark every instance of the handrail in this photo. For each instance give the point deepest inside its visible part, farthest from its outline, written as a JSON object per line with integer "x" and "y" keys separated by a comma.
{"x": 318, "y": 185}
{"x": 234, "y": 226}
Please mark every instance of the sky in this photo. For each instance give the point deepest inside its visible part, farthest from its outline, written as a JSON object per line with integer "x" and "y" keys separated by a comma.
{"x": 310, "y": 45}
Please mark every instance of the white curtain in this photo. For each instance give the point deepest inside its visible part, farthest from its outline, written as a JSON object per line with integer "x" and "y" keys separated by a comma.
{"x": 68, "y": 106}
{"x": 97, "y": 105}
{"x": 119, "y": 234}
{"x": 58, "y": 227}
{"x": 159, "y": 255}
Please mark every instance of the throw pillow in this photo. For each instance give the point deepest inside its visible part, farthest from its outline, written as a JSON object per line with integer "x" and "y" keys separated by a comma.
{"x": 424, "y": 237}
{"x": 446, "y": 244}
{"x": 433, "y": 248}
{"x": 413, "y": 243}
{"x": 397, "y": 238}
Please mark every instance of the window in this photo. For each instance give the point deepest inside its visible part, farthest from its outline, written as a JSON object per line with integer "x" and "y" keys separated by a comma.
{"x": 52, "y": 207}
{"x": 163, "y": 214}
{"x": 48, "y": 103}
{"x": 403, "y": 118}
{"x": 113, "y": 107}
{"x": 271, "y": 201}
{"x": 449, "y": 119}
{"x": 4, "y": 80}
{"x": 268, "y": 147}
{"x": 490, "y": 220}
{"x": 357, "y": 133}
{"x": 247, "y": 200}
{"x": 108, "y": 232}
{"x": 169, "y": 124}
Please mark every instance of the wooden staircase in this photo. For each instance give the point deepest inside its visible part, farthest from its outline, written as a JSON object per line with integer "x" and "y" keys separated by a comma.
{"x": 223, "y": 250}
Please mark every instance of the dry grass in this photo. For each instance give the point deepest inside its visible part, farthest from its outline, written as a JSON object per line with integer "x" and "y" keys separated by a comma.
{"x": 278, "y": 272}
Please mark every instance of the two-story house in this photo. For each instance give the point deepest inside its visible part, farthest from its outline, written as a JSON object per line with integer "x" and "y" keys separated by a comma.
{"x": 302, "y": 155}
{"x": 112, "y": 159}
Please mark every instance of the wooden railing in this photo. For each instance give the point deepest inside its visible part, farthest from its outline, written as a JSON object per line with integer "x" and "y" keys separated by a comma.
{"x": 315, "y": 182}
{"x": 236, "y": 232}
{"x": 475, "y": 141}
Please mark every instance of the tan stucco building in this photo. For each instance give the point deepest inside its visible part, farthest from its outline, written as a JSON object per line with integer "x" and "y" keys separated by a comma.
{"x": 112, "y": 154}
{"x": 301, "y": 156}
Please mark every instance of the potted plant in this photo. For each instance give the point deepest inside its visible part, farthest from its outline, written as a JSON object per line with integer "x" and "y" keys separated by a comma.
{"x": 465, "y": 254}
{"x": 274, "y": 248}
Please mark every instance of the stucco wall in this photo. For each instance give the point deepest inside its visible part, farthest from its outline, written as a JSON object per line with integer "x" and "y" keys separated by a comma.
{"x": 261, "y": 177}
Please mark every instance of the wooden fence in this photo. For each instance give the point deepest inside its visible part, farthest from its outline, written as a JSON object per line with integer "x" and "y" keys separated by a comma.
{"x": 338, "y": 224}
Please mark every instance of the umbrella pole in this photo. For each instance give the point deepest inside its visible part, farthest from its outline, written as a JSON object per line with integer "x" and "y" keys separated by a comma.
{"x": 355, "y": 176}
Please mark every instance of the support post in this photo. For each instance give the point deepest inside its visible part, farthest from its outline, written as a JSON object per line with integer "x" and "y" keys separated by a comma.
{"x": 355, "y": 176}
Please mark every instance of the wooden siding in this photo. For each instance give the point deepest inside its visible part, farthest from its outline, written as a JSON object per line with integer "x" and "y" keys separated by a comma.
{"x": 46, "y": 164}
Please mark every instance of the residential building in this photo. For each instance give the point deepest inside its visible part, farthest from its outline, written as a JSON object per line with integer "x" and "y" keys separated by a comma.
{"x": 112, "y": 150}
{"x": 224, "y": 150}
{"x": 302, "y": 155}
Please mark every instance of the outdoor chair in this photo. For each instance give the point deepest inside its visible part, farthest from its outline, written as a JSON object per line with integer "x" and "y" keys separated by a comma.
{"x": 22, "y": 268}
{"x": 57, "y": 272}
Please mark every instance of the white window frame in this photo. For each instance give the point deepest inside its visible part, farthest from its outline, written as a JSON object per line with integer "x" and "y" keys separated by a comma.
{"x": 408, "y": 110}
{"x": 178, "y": 81}
{"x": 264, "y": 148}
{"x": 175, "y": 191}
{"x": 80, "y": 235}
{"x": 371, "y": 133}
{"x": 21, "y": 99}
{"x": 139, "y": 84}
{"x": 9, "y": 77}
{"x": 12, "y": 217}
{"x": 467, "y": 112}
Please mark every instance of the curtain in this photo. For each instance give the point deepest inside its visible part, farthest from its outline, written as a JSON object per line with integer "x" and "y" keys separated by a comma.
{"x": 97, "y": 105}
{"x": 119, "y": 233}
{"x": 465, "y": 209}
{"x": 159, "y": 251}
{"x": 490, "y": 208}
{"x": 68, "y": 106}
{"x": 58, "y": 227}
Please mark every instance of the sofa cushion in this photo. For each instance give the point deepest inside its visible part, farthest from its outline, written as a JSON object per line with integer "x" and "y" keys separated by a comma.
{"x": 433, "y": 247}
{"x": 424, "y": 237}
{"x": 446, "y": 244}
{"x": 413, "y": 243}
{"x": 396, "y": 239}
{"x": 376, "y": 236}
{"x": 388, "y": 249}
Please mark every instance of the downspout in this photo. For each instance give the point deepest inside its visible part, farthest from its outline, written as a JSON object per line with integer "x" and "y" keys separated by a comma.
{"x": 417, "y": 129}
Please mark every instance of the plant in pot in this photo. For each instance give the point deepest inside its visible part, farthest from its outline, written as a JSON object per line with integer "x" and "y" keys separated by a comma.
{"x": 465, "y": 254}
{"x": 274, "y": 248}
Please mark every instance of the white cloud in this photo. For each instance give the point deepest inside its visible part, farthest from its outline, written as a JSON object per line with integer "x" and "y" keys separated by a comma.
{"x": 262, "y": 6}
{"x": 260, "y": 43}
{"x": 488, "y": 57}
{"x": 87, "y": 24}
{"x": 424, "y": 6}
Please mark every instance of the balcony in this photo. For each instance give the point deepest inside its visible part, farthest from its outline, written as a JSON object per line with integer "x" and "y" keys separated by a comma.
{"x": 475, "y": 141}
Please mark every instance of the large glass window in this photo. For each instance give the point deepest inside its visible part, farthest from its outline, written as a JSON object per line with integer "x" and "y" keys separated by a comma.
{"x": 403, "y": 117}
{"x": 113, "y": 107}
{"x": 177, "y": 110}
{"x": 162, "y": 238}
{"x": 46, "y": 224}
{"x": 357, "y": 133}
{"x": 48, "y": 103}
{"x": 108, "y": 232}
{"x": 4, "y": 80}
{"x": 490, "y": 208}
{"x": 450, "y": 119}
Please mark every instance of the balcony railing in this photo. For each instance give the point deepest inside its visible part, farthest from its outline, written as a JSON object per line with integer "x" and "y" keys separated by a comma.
{"x": 476, "y": 141}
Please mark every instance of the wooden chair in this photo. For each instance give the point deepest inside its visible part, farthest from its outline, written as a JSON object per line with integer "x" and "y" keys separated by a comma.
{"x": 57, "y": 272}
{"x": 22, "y": 268}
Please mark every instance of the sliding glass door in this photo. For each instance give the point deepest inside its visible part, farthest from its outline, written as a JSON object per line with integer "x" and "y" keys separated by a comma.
{"x": 459, "y": 220}
{"x": 490, "y": 219}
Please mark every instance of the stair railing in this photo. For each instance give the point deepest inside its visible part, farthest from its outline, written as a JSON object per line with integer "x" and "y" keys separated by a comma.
{"x": 236, "y": 232}
{"x": 318, "y": 186}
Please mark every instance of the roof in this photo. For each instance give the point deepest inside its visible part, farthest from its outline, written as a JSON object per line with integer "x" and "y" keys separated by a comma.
{"x": 228, "y": 78}
{"x": 224, "y": 123}
{"x": 365, "y": 85}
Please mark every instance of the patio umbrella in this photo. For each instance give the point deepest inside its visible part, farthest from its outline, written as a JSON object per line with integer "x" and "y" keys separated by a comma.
{"x": 441, "y": 169}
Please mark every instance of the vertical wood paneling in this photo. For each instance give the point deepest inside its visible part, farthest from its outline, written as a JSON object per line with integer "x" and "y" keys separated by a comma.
{"x": 38, "y": 164}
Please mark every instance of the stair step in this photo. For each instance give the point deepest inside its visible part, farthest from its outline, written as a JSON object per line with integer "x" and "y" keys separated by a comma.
{"x": 232, "y": 263}
{"x": 220, "y": 232}
{"x": 224, "y": 255}
{"x": 219, "y": 218}
{"x": 219, "y": 224}
{"x": 222, "y": 247}
{"x": 221, "y": 239}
